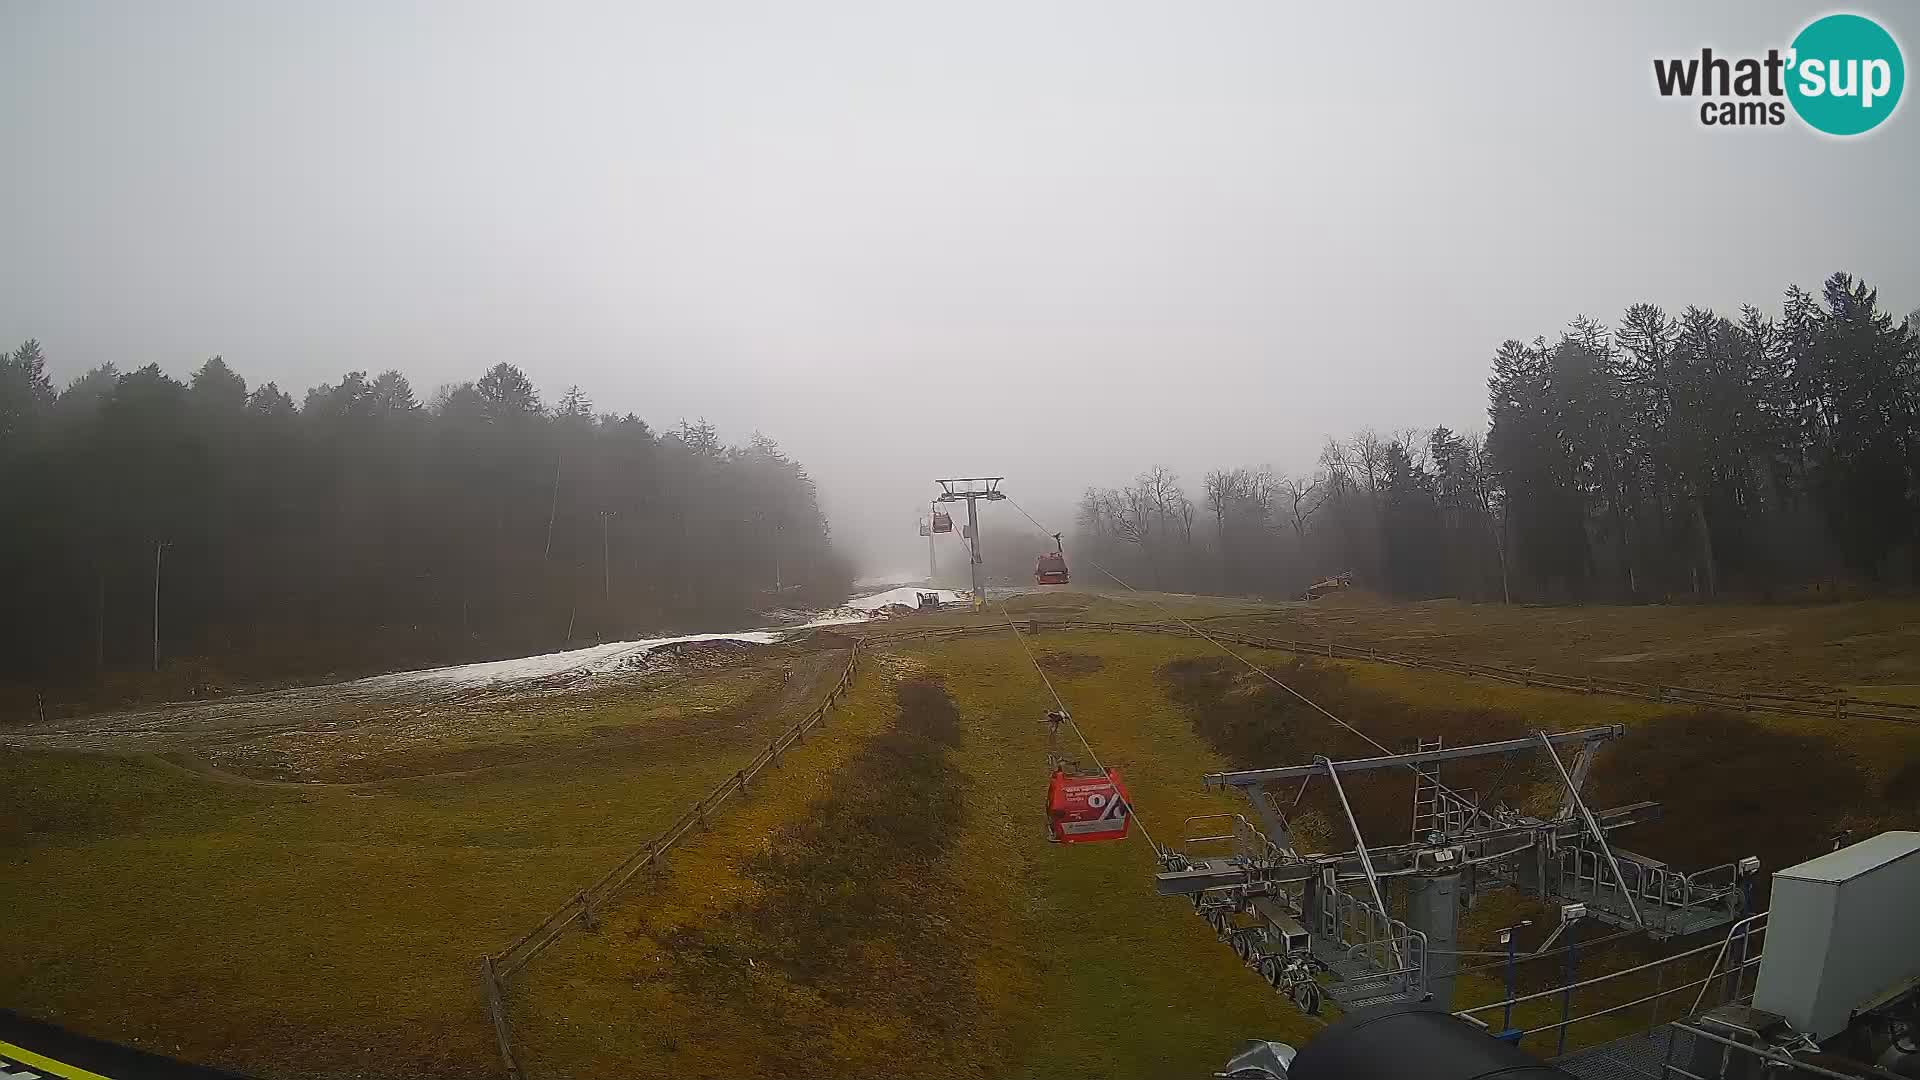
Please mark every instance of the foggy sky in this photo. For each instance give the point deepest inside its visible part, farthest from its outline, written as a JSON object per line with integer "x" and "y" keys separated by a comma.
{"x": 1059, "y": 242}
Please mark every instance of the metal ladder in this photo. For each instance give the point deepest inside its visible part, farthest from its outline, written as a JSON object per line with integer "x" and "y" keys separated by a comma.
{"x": 1427, "y": 816}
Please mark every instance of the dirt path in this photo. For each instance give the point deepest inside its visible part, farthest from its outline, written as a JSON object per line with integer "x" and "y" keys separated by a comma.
{"x": 809, "y": 677}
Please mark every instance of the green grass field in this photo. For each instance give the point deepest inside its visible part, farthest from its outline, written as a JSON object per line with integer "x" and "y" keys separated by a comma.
{"x": 884, "y": 904}
{"x": 327, "y": 931}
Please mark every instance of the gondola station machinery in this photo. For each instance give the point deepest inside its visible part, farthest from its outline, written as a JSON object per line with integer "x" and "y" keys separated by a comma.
{"x": 1838, "y": 955}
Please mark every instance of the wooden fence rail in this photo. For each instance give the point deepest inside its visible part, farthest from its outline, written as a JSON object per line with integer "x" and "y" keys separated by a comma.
{"x": 496, "y": 968}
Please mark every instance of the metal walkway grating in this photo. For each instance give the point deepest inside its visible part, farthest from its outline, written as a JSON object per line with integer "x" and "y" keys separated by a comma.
{"x": 1639, "y": 1056}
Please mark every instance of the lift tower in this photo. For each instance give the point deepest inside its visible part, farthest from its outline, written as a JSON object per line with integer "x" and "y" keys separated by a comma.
{"x": 972, "y": 489}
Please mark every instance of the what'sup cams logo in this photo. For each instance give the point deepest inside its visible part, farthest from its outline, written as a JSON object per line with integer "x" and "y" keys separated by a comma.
{"x": 1842, "y": 75}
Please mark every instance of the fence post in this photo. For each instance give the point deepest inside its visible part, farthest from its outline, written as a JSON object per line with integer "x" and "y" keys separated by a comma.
{"x": 498, "y": 1010}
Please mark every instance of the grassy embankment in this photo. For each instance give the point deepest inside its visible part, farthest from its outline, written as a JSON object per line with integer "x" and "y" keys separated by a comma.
{"x": 334, "y": 930}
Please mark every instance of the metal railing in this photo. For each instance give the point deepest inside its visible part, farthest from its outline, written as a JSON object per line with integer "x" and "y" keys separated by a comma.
{"x": 1766, "y": 1063}
{"x": 1250, "y": 845}
{"x": 1744, "y": 939}
{"x": 1735, "y": 955}
{"x": 1392, "y": 952}
{"x": 1664, "y": 896}
{"x": 496, "y": 968}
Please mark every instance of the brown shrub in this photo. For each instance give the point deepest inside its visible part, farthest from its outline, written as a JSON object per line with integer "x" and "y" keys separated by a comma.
{"x": 1730, "y": 787}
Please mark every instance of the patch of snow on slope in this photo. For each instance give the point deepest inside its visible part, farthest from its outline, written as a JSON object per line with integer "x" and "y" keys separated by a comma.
{"x": 593, "y": 660}
{"x": 620, "y": 656}
{"x": 909, "y": 596}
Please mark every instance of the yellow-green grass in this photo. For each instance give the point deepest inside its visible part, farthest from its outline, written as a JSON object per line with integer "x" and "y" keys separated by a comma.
{"x": 335, "y": 931}
{"x": 1116, "y": 980}
{"x": 310, "y": 932}
{"x": 603, "y": 1005}
{"x": 1079, "y": 969}
{"x": 1074, "y": 966}
{"x": 1081, "y": 604}
{"x": 1857, "y": 645}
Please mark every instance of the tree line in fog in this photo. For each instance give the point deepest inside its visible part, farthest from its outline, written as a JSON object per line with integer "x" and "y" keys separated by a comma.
{"x": 1696, "y": 455}
{"x": 363, "y": 527}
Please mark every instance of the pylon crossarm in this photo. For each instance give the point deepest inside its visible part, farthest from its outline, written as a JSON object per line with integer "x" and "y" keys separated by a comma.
{"x": 1593, "y": 829}
{"x": 1254, "y": 777}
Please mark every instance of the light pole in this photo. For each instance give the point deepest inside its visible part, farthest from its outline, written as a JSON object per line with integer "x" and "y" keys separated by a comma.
{"x": 1506, "y": 938}
{"x": 158, "y": 547}
{"x": 606, "y": 564}
{"x": 1569, "y": 914}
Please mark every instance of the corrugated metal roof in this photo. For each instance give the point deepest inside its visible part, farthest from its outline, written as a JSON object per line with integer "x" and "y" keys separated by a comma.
{"x": 1856, "y": 859}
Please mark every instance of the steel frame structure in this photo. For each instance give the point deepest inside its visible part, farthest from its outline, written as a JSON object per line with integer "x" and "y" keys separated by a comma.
{"x": 975, "y": 489}
{"x": 1323, "y": 924}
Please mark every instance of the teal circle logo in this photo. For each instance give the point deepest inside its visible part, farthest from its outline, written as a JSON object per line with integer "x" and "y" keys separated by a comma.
{"x": 1846, "y": 74}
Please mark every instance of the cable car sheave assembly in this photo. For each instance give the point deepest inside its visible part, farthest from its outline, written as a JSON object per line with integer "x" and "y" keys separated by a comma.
{"x": 1297, "y": 917}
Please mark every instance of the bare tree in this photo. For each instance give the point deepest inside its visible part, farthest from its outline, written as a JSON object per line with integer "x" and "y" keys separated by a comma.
{"x": 1301, "y": 498}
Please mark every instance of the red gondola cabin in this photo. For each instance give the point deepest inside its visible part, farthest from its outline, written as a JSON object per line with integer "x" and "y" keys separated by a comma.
{"x": 942, "y": 523}
{"x": 1082, "y": 809}
{"x": 1051, "y": 567}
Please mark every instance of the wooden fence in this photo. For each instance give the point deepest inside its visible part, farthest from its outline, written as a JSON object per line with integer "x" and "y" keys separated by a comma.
{"x": 496, "y": 968}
